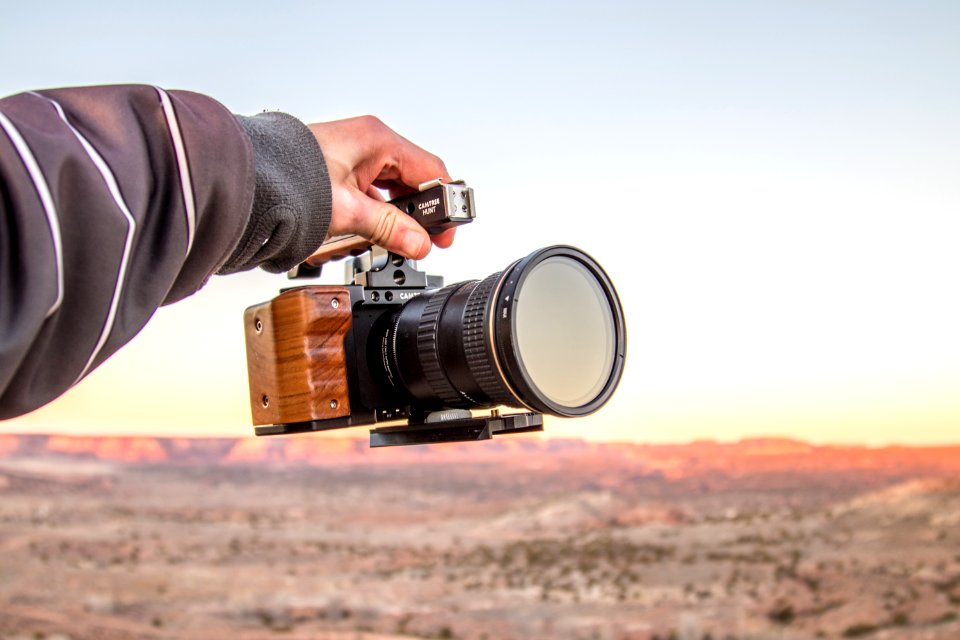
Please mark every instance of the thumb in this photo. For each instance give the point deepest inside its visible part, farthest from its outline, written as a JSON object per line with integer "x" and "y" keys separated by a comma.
{"x": 385, "y": 225}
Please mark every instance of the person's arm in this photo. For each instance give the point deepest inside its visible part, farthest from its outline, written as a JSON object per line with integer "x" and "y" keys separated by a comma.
{"x": 115, "y": 200}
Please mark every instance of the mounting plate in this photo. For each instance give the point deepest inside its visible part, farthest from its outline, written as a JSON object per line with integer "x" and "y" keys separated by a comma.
{"x": 460, "y": 430}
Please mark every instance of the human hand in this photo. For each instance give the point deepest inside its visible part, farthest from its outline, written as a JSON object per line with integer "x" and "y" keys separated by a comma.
{"x": 363, "y": 155}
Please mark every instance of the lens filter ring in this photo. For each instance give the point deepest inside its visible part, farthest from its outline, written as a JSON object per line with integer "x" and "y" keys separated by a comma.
{"x": 559, "y": 331}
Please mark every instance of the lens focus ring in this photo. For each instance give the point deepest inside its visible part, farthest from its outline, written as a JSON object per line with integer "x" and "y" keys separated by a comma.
{"x": 476, "y": 343}
{"x": 427, "y": 348}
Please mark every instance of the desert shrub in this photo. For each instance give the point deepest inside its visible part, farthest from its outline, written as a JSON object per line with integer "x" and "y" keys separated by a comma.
{"x": 901, "y": 619}
{"x": 782, "y": 613}
{"x": 859, "y": 630}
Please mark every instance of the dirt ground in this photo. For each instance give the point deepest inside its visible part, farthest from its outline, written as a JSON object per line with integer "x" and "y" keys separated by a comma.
{"x": 92, "y": 549}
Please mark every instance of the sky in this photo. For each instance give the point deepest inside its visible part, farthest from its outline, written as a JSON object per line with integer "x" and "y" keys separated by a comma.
{"x": 774, "y": 188}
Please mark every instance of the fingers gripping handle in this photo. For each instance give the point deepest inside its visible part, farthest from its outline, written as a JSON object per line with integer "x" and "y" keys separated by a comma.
{"x": 437, "y": 206}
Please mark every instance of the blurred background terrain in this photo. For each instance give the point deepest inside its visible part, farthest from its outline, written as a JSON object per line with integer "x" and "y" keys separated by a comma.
{"x": 512, "y": 539}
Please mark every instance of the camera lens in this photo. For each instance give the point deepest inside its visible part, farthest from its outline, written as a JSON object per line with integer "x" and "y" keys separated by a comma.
{"x": 564, "y": 334}
{"x": 547, "y": 334}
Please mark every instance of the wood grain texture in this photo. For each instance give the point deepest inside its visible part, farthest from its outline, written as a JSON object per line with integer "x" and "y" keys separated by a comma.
{"x": 337, "y": 248}
{"x": 296, "y": 361}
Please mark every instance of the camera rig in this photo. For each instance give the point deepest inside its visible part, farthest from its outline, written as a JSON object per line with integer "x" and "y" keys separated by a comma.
{"x": 304, "y": 373}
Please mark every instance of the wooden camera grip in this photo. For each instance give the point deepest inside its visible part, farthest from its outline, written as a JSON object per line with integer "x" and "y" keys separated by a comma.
{"x": 295, "y": 355}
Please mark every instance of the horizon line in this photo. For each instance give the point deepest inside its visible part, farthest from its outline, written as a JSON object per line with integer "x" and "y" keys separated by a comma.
{"x": 331, "y": 434}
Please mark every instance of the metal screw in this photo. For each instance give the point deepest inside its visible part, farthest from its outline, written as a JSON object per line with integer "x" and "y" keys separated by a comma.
{"x": 265, "y": 400}
{"x": 335, "y": 303}
{"x": 333, "y": 404}
{"x": 258, "y": 325}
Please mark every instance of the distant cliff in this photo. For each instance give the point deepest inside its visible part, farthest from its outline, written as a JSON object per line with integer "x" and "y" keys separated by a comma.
{"x": 763, "y": 455}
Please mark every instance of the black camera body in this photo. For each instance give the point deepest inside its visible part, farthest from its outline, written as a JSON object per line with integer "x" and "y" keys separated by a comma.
{"x": 374, "y": 394}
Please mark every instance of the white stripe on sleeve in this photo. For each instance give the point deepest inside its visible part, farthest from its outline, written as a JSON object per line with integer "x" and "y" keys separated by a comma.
{"x": 114, "y": 189}
{"x": 46, "y": 199}
{"x": 186, "y": 185}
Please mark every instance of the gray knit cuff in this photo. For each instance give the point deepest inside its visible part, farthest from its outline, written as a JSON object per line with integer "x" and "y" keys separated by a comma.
{"x": 292, "y": 202}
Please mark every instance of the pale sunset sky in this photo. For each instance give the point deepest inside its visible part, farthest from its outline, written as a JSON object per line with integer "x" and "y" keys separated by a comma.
{"x": 774, "y": 187}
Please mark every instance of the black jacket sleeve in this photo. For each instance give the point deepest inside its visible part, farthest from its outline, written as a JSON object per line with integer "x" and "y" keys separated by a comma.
{"x": 115, "y": 200}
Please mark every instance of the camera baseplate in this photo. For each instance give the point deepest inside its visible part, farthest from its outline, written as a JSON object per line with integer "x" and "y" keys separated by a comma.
{"x": 456, "y": 430}
{"x": 427, "y": 430}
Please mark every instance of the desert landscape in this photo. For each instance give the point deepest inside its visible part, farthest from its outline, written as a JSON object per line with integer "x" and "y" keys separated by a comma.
{"x": 516, "y": 538}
